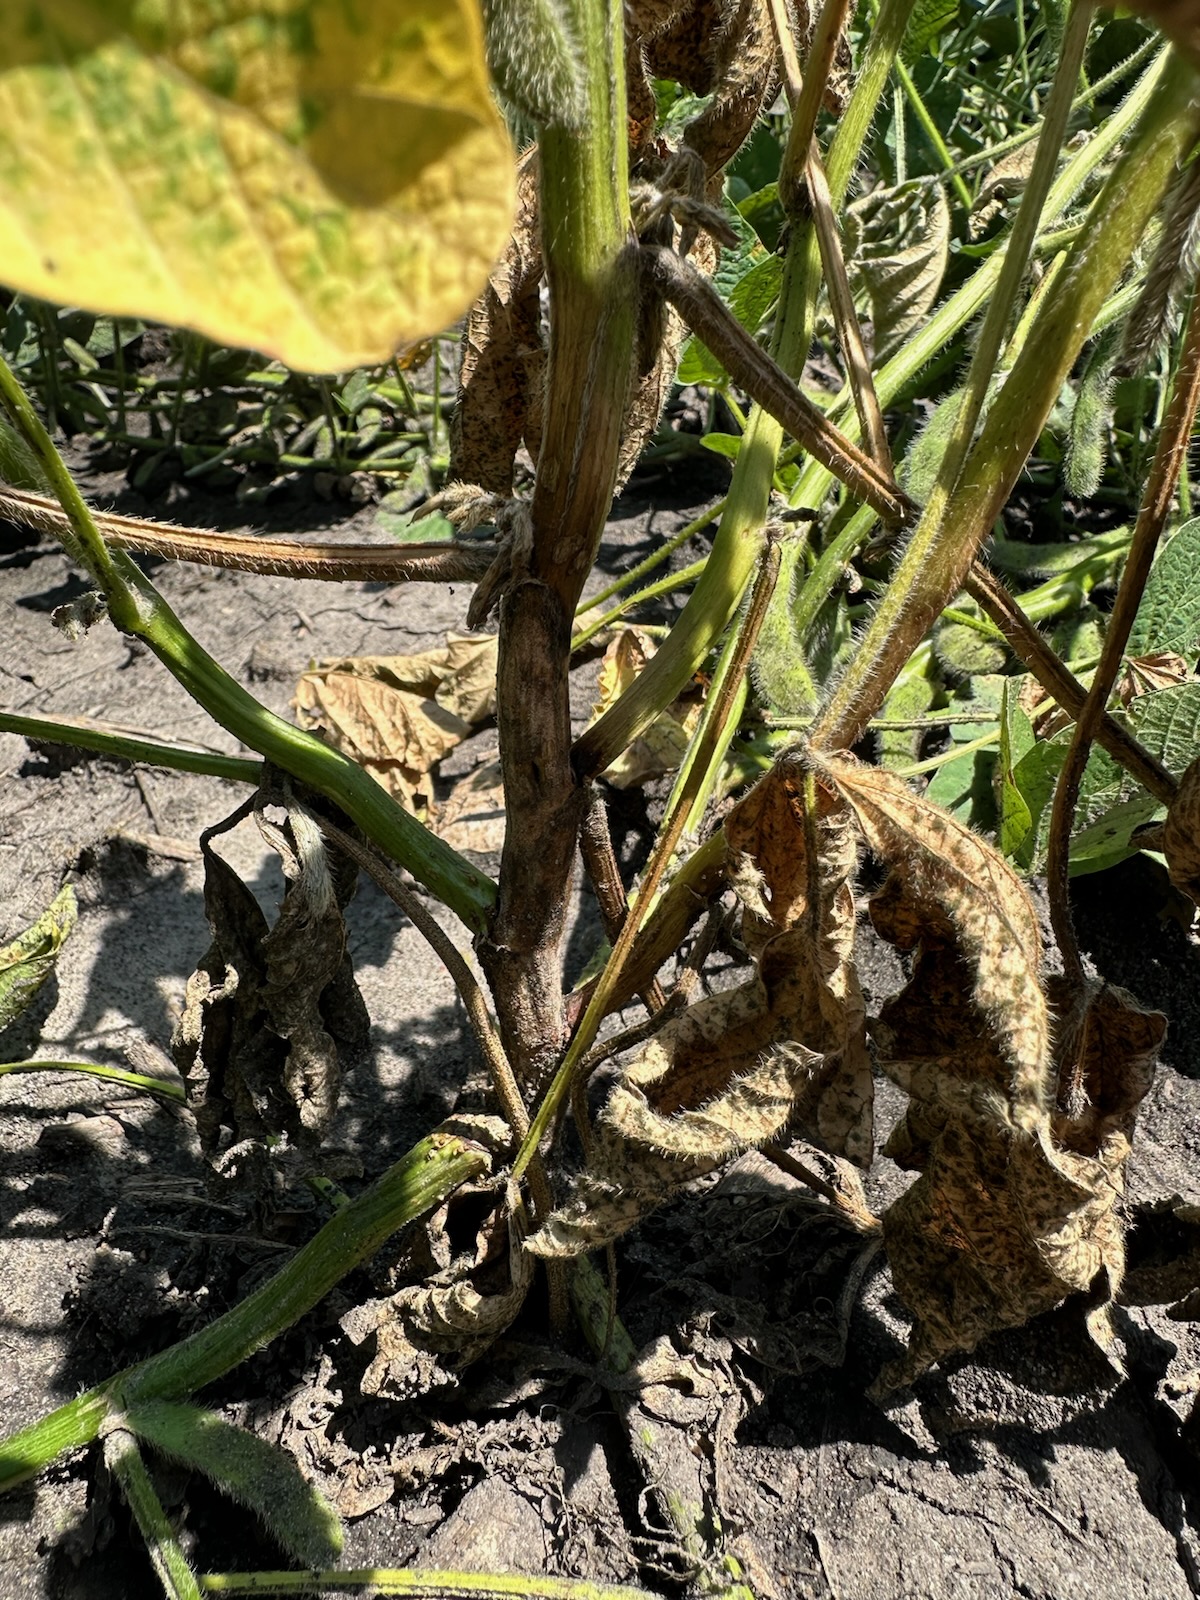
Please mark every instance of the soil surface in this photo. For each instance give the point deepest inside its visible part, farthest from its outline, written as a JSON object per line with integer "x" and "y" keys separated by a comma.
{"x": 1032, "y": 1468}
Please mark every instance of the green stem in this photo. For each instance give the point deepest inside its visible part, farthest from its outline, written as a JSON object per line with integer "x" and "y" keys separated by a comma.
{"x": 129, "y": 747}
{"x": 137, "y": 609}
{"x": 420, "y": 1180}
{"x": 937, "y": 560}
{"x": 739, "y": 541}
{"x": 124, "y": 1460}
{"x": 131, "y": 1080}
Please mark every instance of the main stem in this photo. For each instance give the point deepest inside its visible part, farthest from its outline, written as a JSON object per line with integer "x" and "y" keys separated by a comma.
{"x": 591, "y": 268}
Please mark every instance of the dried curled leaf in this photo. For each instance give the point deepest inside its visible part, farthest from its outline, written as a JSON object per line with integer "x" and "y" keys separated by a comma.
{"x": 450, "y": 1320}
{"x": 397, "y": 716}
{"x": 1014, "y": 1208}
{"x": 953, "y": 886}
{"x": 502, "y": 353}
{"x": 1181, "y": 834}
{"x": 735, "y": 1068}
{"x": 1002, "y": 1225}
{"x": 264, "y": 1013}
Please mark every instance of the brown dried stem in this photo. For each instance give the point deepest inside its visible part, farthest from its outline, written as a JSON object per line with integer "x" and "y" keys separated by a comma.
{"x": 1169, "y": 456}
{"x": 702, "y": 308}
{"x": 591, "y": 271}
{"x": 600, "y": 864}
{"x": 435, "y": 562}
{"x": 1028, "y": 645}
{"x": 829, "y": 239}
{"x": 722, "y": 698}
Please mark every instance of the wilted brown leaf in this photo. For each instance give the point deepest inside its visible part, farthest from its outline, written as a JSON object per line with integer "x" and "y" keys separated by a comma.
{"x": 1004, "y": 1223}
{"x": 735, "y": 1068}
{"x": 1181, "y": 834}
{"x": 453, "y": 1317}
{"x": 472, "y": 815}
{"x": 1014, "y": 1208}
{"x": 502, "y": 354}
{"x": 397, "y": 716}
{"x": 951, "y": 885}
{"x": 257, "y": 1041}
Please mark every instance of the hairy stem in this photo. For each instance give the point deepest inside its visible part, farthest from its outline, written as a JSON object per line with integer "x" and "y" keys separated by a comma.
{"x": 1173, "y": 440}
{"x": 137, "y": 609}
{"x": 936, "y": 562}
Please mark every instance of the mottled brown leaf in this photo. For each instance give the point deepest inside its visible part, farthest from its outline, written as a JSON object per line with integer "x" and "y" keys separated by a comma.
{"x": 1004, "y": 1222}
{"x": 733, "y": 1070}
{"x": 957, "y": 886}
{"x": 501, "y": 354}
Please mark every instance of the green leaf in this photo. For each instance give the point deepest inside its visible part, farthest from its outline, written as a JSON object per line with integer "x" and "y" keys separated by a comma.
{"x": 259, "y": 1475}
{"x": 927, "y": 21}
{"x": 723, "y": 444}
{"x": 1111, "y": 805}
{"x": 18, "y": 464}
{"x": 912, "y": 695}
{"x": 1169, "y": 615}
{"x": 29, "y": 960}
{"x": 897, "y": 249}
{"x": 320, "y": 181}
{"x": 965, "y": 786}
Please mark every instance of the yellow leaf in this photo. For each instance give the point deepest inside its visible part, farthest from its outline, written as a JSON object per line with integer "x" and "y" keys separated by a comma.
{"x": 321, "y": 180}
